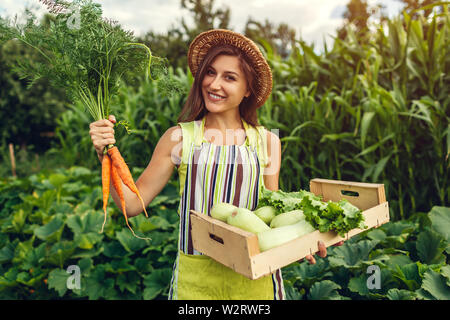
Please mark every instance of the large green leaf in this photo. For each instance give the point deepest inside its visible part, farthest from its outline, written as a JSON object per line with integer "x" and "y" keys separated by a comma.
{"x": 398, "y": 260}
{"x": 130, "y": 242}
{"x": 22, "y": 249}
{"x": 352, "y": 255}
{"x": 9, "y": 278}
{"x": 365, "y": 125}
{"x": 445, "y": 271}
{"x": 430, "y": 247}
{"x": 397, "y": 233}
{"x": 376, "y": 234}
{"x": 114, "y": 249}
{"x": 325, "y": 290}
{"x": 93, "y": 198}
{"x": 7, "y": 252}
{"x": 408, "y": 275}
{"x": 30, "y": 279}
{"x": 119, "y": 266}
{"x": 440, "y": 219}
{"x": 436, "y": 285}
{"x": 50, "y": 231}
{"x": 359, "y": 285}
{"x": 60, "y": 252}
{"x": 143, "y": 265}
{"x": 57, "y": 279}
{"x": 307, "y": 274}
{"x": 363, "y": 284}
{"x": 399, "y": 227}
{"x": 396, "y": 294}
{"x": 58, "y": 179}
{"x": 87, "y": 240}
{"x": 78, "y": 172}
{"x": 90, "y": 253}
{"x": 156, "y": 282}
{"x": 129, "y": 281}
{"x": 97, "y": 284}
{"x": 86, "y": 228}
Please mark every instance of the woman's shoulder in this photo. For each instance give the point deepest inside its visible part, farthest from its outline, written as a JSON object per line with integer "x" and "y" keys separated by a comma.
{"x": 271, "y": 142}
{"x": 173, "y": 134}
{"x": 271, "y": 136}
{"x": 182, "y": 132}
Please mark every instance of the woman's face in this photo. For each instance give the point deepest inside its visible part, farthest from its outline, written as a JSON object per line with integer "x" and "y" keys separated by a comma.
{"x": 224, "y": 85}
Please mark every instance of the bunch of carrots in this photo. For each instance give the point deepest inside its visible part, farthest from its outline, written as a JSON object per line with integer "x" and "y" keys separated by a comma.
{"x": 91, "y": 66}
{"x": 116, "y": 171}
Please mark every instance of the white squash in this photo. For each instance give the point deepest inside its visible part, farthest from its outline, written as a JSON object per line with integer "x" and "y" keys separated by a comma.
{"x": 266, "y": 213}
{"x": 277, "y": 236}
{"x": 247, "y": 220}
{"x": 222, "y": 210}
{"x": 287, "y": 218}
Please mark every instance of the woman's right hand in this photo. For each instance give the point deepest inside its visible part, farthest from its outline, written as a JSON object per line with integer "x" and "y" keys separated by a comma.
{"x": 102, "y": 134}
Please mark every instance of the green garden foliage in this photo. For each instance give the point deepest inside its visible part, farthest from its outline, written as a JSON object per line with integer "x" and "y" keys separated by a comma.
{"x": 410, "y": 257}
{"x": 375, "y": 110}
{"x": 51, "y": 220}
{"x": 28, "y": 116}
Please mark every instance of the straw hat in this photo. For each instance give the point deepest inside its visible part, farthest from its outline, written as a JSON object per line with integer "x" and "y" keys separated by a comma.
{"x": 208, "y": 39}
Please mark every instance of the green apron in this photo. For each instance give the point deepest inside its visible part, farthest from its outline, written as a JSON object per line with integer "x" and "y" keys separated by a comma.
{"x": 209, "y": 174}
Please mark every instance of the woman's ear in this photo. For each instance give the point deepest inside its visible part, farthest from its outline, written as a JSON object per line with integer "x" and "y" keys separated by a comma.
{"x": 247, "y": 94}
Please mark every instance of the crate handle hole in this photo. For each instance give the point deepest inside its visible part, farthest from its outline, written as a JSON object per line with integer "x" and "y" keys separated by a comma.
{"x": 349, "y": 193}
{"x": 216, "y": 238}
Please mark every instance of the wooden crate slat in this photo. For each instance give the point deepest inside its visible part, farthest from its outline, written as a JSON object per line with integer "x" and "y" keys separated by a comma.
{"x": 369, "y": 194}
{"x": 236, "y": 247}
{"x": 278, "y": 257}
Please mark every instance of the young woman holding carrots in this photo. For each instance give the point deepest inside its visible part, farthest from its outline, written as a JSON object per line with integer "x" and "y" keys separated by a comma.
{"x": 221, "y": 153}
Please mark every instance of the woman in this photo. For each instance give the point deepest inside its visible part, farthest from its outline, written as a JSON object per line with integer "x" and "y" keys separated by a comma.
{"x": 221, "y": 153}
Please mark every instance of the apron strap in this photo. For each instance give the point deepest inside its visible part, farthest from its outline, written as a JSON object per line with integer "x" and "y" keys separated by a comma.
{"x": 191, "y": 134}
{"x": 258, "y": 140}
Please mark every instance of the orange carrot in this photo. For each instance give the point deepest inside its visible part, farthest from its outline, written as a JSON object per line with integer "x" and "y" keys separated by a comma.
{"x": 117, "y": 184}
{"x": 124, "y": 172}
{"x": 106, "y": 179}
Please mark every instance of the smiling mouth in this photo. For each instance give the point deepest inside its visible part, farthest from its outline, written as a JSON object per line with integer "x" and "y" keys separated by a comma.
{"x": 215, "y": 96}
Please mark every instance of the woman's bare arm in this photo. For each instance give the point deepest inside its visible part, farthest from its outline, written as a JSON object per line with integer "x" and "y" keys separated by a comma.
{"x": 157, "y": 173}
{"x": 272, "y": 170}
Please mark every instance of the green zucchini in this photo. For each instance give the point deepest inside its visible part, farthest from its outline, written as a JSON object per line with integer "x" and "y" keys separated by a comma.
{"x": 287, "y": 218}
{"x": 222, "y": 210}
{"x": 247, "y": 220}
{"x": 266, "y": 213}
{"x": 277, "y": 236}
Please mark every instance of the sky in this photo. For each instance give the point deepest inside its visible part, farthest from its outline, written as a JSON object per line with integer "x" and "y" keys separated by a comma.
{"x": 314, "y": 20}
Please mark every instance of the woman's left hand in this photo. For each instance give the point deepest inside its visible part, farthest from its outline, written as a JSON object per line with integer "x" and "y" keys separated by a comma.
{"x": 322, "y": 252}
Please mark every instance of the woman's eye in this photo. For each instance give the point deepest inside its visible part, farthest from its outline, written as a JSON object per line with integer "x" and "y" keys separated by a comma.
{"x": 210, "y": 72}
{"x": 231, "y": 78}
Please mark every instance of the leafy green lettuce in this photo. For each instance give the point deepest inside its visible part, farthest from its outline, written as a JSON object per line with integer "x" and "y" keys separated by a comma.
{"x": 340, "y": 217}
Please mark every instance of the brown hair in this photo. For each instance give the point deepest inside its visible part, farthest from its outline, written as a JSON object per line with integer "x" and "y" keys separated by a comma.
{"x": 194, "y": 107}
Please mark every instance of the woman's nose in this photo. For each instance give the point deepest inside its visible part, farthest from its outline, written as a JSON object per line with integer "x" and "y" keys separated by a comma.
{"x": 215, "y": 83}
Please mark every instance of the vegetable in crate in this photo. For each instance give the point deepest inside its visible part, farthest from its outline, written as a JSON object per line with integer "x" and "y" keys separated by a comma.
{"x": 277, "y": 236}
{"x": 247, "y": 220}
{"x": 266, "y": 213}
{"x": 222, "y": 211}
{"x": 287, "y": 218}
{"x": 339, "y": 217}
{"x": 90, "y": 60}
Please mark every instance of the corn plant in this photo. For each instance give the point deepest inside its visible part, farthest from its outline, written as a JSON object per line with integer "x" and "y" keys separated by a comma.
{"x": 375, "y": 112}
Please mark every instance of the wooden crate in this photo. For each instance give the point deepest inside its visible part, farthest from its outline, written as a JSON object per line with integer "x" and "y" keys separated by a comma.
{"x": 239, "y": 249}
